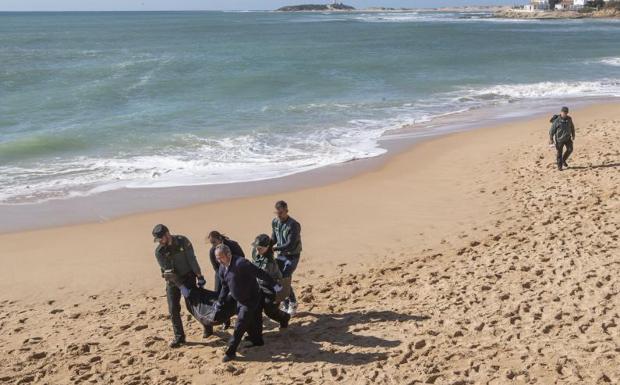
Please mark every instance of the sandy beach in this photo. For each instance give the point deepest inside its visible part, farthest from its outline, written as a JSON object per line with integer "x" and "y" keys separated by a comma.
{"x": 467, "y": 259}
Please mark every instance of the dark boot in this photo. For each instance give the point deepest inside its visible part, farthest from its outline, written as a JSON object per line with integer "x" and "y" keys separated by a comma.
{"x": 252, "y": 344}
{"x": 228, "y": 357}
{"x": 177, "y": 342}
{"x": 207, "y": 332}
{"x": 284, "y": 321}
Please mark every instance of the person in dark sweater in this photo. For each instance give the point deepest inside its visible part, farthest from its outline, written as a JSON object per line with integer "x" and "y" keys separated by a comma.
{"x": 238, "y": 277}
{"x": 216, "y": 238}
{"x": 286, "y": 236}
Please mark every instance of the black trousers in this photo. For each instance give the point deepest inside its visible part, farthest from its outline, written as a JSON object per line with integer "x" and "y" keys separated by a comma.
{"x": 173, "y": 295}
{"x": 217, "y": 284}
{"x": 287, "y": 265}
{"x": 250, "y": 320}
{"x": 562, "y": 155}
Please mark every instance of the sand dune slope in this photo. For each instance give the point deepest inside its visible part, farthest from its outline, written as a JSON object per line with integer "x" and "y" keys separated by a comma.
{"x": 534, "y": 301}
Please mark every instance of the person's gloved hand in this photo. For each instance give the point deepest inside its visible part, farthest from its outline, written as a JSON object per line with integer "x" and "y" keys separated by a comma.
{"x": 168, "y": 275}
{"x": 217, "y": 306}
{"x": 277, "y": 288}
{"x": 185, "y": 291}
{"x": 276, "y": 248}
{"x": 200, "y": 281}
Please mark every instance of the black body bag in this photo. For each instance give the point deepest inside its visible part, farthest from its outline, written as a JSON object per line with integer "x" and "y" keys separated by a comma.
{"x": 201, "y": 304}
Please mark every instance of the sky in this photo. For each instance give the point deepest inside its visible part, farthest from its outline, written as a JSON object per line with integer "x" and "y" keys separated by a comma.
{"x": 153, "y": 5}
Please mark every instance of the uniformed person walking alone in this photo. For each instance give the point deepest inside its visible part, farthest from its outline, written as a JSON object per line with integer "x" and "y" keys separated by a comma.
{"x": 175, "y": 255}
{"x": 562, "y": 133}
{"x": 238, "y": 278}
{"x": 286, "y": 235}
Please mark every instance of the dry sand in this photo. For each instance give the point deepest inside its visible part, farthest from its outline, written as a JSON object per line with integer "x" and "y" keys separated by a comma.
{"x": 466, "y": 260}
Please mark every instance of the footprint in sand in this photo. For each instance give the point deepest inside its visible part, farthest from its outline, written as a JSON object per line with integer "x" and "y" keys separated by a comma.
{"x": 37, "y": 356}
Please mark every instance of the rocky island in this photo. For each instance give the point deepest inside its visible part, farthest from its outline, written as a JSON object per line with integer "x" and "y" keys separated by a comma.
{"x": 316, "y": 7}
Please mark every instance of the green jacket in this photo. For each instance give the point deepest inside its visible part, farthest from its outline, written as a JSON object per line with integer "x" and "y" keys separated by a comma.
{"x": 179, "y": 257}
{"x": 287, "y": 236}
{"x": 562, "y": 130}
{"x": 267, "y": 263}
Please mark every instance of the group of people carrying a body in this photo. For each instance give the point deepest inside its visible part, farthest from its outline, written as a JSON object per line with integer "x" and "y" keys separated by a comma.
{"x": 249, "y": 288}
{"x": 242, "y": 287}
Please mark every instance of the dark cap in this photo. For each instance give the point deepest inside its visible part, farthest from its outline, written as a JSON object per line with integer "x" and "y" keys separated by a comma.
{"x": 262, "y": 240}
{"x": 159, "y": 231}
{"x": 281, "y": 205}
{"x": 565, "y": 109}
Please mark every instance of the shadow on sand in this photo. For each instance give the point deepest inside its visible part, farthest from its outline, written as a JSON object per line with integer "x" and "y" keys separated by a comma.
{"x": 308, "y": 339}
{"x": 593, "y": 167}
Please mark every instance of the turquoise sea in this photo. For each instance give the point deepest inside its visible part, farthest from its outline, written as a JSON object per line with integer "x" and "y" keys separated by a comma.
{"x": 99, "y": 101}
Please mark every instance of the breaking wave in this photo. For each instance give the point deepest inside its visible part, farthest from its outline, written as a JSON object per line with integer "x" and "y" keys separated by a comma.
{"x": 256, "y": 156}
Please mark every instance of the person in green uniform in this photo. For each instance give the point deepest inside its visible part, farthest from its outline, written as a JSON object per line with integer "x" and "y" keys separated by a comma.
{"x": 286, "y": 237}
{"x": 562, "y": 134}
{"x": 175, "y": 256}
{"x": 262, "y": 257}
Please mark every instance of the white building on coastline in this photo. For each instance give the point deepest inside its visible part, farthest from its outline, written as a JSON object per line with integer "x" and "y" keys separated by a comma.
{"x": 543, "y": 5}
{"x": 537, "y": 5}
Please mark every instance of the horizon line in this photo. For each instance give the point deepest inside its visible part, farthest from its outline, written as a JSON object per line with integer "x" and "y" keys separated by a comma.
{"x": 238, "y": 10}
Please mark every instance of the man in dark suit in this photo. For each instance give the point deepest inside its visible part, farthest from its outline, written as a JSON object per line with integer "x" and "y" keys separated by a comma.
{"x": 238, "y": 279}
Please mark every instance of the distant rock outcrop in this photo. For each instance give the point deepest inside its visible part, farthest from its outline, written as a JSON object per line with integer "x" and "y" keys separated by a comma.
{"x": 316, "y": 7}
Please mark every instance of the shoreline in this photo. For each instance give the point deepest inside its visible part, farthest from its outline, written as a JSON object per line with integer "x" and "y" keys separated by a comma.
{"x": 468, "y": 259}
{"x": 420, "y": 188}
{"x": 104, "y": 206}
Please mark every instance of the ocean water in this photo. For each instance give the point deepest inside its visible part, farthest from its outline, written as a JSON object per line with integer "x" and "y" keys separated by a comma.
{"x": 97, "y": 101}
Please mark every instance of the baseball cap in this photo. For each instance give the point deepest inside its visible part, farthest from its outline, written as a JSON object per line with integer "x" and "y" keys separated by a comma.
{"x": 262, "y": 240}
{"x": 159, "y": 231}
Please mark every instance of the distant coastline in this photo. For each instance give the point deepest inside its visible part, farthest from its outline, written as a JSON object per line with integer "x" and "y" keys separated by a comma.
{"x": 501, "y": 11}
{"x": 316, "y": 7}
{"x": 340, "y": 7}
{"x": 517, "y": 13}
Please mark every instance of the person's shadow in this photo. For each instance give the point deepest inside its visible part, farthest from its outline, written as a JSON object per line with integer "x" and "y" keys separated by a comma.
{"x": 331, "y": 338}
{"x": 594, "y": 167}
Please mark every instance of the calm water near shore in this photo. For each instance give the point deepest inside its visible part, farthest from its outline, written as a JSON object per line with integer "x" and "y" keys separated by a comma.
{"x": 93, "y": 102}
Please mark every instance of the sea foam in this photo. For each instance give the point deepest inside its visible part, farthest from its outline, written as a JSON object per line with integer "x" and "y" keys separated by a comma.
{"x": 261, "y": 155}
{"x": 612, "y": 61}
